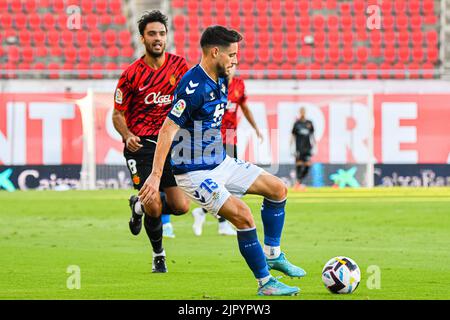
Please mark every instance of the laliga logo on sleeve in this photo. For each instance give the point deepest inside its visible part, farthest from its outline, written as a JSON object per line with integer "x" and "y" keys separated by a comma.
{"x": 118, "y": 96}
{"x": 178, "y": 108}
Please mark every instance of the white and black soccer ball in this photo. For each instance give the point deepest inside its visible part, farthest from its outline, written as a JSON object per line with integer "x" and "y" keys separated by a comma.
{"x": 341, "y": 275}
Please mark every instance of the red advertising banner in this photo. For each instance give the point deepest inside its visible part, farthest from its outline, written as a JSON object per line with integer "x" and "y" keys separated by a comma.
{"x": 46, "y": 129}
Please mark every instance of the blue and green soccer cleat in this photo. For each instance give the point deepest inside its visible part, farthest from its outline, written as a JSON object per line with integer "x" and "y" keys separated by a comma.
{"x": 276, "y": 288}
{"x": 283, "y": 265}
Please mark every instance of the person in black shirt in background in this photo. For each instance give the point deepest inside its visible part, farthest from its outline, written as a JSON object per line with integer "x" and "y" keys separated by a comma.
{"x": 303, "y": 135}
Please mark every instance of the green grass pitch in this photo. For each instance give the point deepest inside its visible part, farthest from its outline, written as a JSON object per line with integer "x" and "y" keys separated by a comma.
{"x": 403, "y": 232}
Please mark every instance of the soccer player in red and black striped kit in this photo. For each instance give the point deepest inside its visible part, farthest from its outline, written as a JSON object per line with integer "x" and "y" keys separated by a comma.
{"x": 143, "y": 98}
{"x": 237, "y": 98}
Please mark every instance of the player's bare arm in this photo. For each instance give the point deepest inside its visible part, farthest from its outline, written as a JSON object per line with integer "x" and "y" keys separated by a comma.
{"x": 150, "y": 189}
{"x": 249, "y": 116}
{"x": 132, "y": 142}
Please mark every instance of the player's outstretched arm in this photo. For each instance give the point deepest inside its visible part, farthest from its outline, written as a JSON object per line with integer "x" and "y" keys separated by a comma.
{"x": 150, "y": 189}
{"x": 249, "y": 116}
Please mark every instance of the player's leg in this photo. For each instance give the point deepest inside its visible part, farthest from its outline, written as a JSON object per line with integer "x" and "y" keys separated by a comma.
{"x": 167, "y": 226}
{"x": 239, "y": 214}
{"x": 274, "y": 192}
{"x": 199, "y": 215}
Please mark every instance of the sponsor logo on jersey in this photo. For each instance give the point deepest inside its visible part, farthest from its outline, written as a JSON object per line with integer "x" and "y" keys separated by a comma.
{"x": 119, "y": 96}
{"x": 157, "y": 98}
{"x": 212, "y": 96}
{"x": 178, "y": 108}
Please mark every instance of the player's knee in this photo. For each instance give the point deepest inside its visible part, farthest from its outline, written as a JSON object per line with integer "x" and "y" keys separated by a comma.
{"x": 181, "y": 207}
{"x": 278, "y": 190}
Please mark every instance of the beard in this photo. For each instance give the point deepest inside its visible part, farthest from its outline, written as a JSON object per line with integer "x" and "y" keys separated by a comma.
{"x": 155, "y": 54}
{"x": 221, "y": 71}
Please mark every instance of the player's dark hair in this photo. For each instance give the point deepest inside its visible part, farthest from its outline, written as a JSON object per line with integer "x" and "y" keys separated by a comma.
{"x": 219, "y": 36}
{"x": 149, "y": 17}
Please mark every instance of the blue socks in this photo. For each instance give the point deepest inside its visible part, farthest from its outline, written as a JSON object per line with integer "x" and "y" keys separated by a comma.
{"x": 252, "y": 252}
{"x": 165, "y": 218}
{"x": 272, "y": 214}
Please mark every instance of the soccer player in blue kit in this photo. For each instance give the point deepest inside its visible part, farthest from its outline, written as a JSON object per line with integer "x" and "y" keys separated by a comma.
{"x": 210, "y": 177}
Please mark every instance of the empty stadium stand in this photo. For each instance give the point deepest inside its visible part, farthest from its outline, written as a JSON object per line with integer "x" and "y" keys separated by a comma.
{"x": 43, "y": 36}
{"x": 317, "y": 39}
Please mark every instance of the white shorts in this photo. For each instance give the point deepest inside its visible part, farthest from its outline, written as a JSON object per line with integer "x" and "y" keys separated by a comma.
{"x": 211, "y": 188}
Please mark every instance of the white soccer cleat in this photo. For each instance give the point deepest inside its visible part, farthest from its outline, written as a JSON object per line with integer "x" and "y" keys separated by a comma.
{"x": 225, "y": 229}
{"x": 199, "y": 220}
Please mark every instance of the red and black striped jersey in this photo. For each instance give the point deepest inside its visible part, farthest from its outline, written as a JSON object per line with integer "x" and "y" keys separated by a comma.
{"x": 236, "y": 97}
{"x": 146, "y": 94}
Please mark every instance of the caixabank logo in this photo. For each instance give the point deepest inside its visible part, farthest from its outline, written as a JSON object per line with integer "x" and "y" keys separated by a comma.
{"x": 5, "y": 180}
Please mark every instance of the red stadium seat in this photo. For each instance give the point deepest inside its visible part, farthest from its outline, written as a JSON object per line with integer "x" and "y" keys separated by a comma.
{"x": 70, "y": 54}
{"x": 81, "y": 38}
{"x": 124, "y": 38}
{"x": 261, "y": 5}
{"x": 432, "y": 54}
{"x": 344, "y": 72}
{"x": 16, "y": 6}
{"x": 428, "y": 70}
{"x": 417, "y": 38}
{"x": 332, "y": 23}
{"x": 34, "y": 21}
{"x": 61, "y": 22}
{"x": 41, "y": 52}
{"x": 24, "y": 38}
{"x": 371, "y": 71}
{"x": 115, "y": 7}
{"x": 20, "y": 21}
{"x": 389, "y": 38}
{"x": 53, "y": 69}
{"x": 402, "y": 22}
{"x": 359, "y": 7}
{"x": 3, "y": 6}
{"x": 38, "y": 38}
{"x": 127, "y": 52}
{"x": 101, "y": 7}
{"x": 58, "y": 6}
{"x": 431, "y": 38}
{"x": 345, "y": 9}
{"x": 84, "y": 55}
{"x": 56, "y": 51}
{"x": 403, "y": 38}
{"x": 334, "y": 54}
{"x": 389, "y": 54}
{"x": 90, "y": 21}
{"x": 430, "y": 19}
{"x": 113, "y": 52}
{"x": 417, "y": 54}
{"x": 416, "y": 22}
{"x": 428, "y": 6}
{"x": 105, "y": 21}
{"x": 404, "y": 54}
{"x": 82, "y": 70}
{"x": 347, "y": 54}
{"x": 67, "y": 37}
{"x": 53, "y": 38}
{"x": 13, "y": 54}
{"x": 400, "y": 6}
{"x": 319, "y": 55}
{"x": 329, "y": 70}
{"x": 48, "y": 22}
{"x": 27, "y": 54}
{"x": 87, "y": 6}
{"x": 346, "y": 22}
{"x": 318, "y": 22}
{"x": 110, "y": 37}
{"x": 95, "y": 38}
{"x": 388, "y": 22}
{"x": 362, "y": 54}
{"x": 98, "y": 53}
{"x": 413, "y": 70}
{"x": 414, "y": 6}
{"x": 6, "y": 21}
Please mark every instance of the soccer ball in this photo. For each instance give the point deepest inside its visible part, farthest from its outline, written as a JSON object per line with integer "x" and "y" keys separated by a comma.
{"x": 341, "y": 275}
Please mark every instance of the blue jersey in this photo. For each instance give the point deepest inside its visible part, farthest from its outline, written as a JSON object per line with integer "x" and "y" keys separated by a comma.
{"x": 198, "y": 107}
